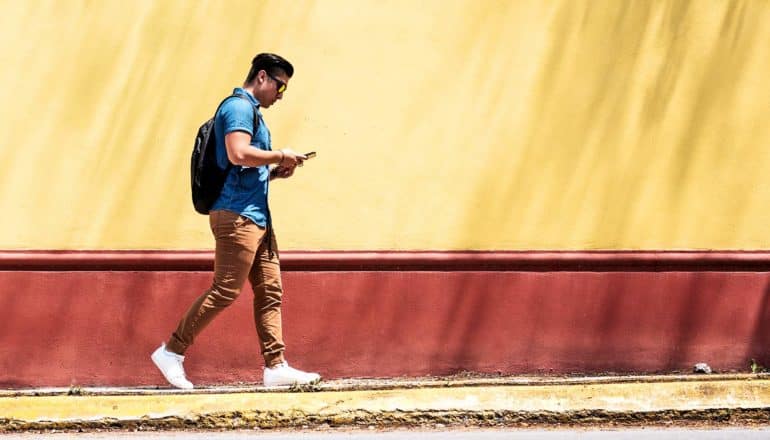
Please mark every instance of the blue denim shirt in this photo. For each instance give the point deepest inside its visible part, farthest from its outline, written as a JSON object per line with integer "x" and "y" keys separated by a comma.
{"x": 245, "y": 189}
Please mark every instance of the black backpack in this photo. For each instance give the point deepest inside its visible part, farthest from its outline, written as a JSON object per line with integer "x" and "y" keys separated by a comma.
{"x": 206, "y": 178}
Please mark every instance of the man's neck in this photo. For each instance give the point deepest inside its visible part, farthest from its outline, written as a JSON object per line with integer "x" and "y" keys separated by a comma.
{"x": 249, "y": 89}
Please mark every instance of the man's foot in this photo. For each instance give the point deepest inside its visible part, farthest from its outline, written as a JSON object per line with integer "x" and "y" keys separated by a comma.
{"x": 283, "y": 375}
{"x": 170, "y": 364}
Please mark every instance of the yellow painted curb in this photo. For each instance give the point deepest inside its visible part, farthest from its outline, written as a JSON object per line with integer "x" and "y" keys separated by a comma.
{"x": 613, "y": 397}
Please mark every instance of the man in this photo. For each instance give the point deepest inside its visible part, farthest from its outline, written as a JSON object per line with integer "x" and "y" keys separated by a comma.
{"x": 242, "y": 227}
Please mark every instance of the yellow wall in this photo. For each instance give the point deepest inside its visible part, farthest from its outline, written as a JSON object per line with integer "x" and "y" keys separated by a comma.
{"x": 458, "y": 124}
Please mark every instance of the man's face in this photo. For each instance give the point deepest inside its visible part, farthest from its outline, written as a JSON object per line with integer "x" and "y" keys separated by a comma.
{"x": 271, "y": 87}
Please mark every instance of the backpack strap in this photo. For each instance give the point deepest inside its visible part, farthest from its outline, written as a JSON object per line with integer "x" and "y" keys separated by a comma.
{"x": 253, "y": 107}
{"x": 240, "y": 95}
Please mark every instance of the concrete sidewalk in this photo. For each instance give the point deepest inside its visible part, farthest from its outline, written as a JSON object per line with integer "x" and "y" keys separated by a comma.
{"x": 743, "y": 398}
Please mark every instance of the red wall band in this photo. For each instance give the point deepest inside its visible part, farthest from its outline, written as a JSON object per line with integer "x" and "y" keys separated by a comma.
{"x": 93, "y": 318}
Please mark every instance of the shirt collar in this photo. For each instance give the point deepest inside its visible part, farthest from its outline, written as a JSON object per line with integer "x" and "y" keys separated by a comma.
{"x": 242, "y": 91}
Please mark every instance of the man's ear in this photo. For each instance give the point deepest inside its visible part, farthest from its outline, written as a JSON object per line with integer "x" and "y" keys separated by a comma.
{"x": 261, "y": 76}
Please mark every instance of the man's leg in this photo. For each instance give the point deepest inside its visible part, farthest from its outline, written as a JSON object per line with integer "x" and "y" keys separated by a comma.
{"x": 237, "y": 240}
{"x": 265, "y": 279}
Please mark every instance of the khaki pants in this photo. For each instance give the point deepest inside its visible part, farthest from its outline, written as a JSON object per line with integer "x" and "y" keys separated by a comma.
{"x": 241, "y": 253}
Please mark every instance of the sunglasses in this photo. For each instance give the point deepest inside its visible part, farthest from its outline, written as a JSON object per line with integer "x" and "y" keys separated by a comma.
{"x": 280, "y": 85}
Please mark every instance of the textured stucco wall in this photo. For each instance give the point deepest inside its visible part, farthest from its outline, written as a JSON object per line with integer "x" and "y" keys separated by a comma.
{"x": 439, "y": 124}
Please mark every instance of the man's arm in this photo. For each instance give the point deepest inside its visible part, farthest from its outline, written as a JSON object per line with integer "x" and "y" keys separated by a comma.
{"x": 240, "y": 152}
{"x": 237, "y": 119}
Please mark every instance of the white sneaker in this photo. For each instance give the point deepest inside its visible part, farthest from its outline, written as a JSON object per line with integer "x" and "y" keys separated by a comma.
{"x": 283, "y": 375}
{"x": 170, "y": 364}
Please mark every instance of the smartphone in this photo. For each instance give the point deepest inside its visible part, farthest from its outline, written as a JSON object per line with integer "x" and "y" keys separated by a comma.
{"x": 310, "y": 155}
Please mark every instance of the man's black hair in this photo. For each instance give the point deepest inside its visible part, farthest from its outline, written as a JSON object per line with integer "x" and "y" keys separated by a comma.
{"x": 271, "y": 63}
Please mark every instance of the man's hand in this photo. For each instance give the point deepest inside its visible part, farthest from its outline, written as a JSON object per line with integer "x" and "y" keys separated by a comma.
{"x": 291, "y": 158}
{"x": 282, "y": 172}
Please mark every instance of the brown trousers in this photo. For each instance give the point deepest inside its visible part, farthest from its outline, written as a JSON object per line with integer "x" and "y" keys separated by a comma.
{"x": 241, "y": 253}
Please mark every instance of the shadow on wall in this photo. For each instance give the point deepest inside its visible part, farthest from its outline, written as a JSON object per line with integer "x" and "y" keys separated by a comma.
{"x": 627, "y": 140}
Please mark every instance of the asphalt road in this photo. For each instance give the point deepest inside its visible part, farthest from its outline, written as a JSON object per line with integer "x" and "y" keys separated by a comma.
{"x": 518, "y": 434}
